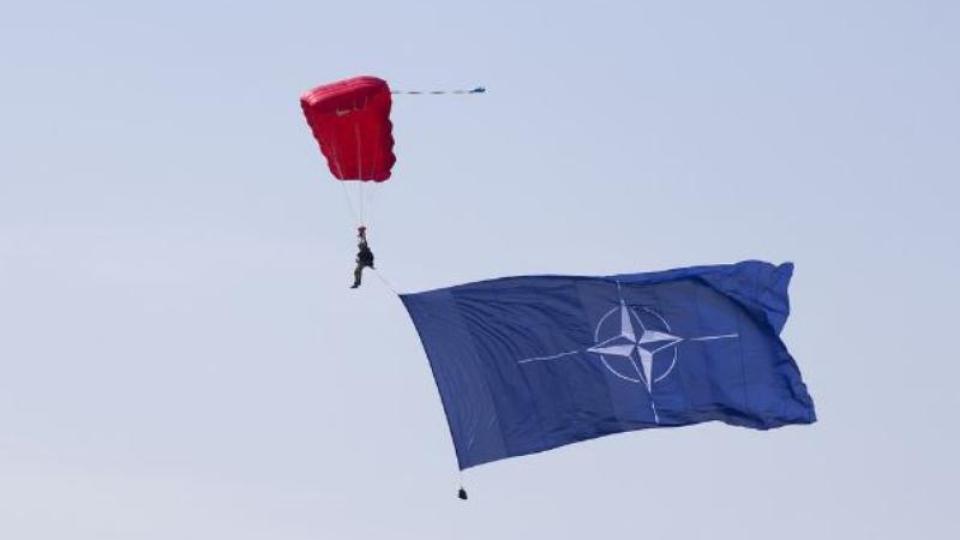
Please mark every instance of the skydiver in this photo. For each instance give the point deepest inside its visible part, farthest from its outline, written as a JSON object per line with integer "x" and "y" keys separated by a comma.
{"x": 364, "y": 256}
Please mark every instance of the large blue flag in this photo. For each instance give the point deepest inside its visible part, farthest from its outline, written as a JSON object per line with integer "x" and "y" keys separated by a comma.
{"x": 525, "y": 364}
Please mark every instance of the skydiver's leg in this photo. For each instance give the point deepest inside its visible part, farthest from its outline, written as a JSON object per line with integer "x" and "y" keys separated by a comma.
{"x": 357, "y": 275}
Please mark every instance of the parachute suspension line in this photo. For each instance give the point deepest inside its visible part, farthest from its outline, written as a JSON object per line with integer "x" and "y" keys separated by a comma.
{"x": 477, "y": 90}
{"x": 346, "y": 191}
{"x": 371, "y": 197}
{"x": 363, "y": 221}
{"x": 356, "y": 132}
{"x": 353, "y": 211}
{"x": 366, "y": 209}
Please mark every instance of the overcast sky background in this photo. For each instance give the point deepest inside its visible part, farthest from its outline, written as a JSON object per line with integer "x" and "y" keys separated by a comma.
{"x": 180, "y": 356}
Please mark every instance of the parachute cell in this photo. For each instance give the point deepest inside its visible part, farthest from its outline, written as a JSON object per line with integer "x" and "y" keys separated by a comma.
{"x": 350, "y": 120}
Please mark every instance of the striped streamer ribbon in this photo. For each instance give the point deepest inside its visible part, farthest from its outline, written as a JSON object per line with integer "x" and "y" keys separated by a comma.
{"x": 477, "y": 90}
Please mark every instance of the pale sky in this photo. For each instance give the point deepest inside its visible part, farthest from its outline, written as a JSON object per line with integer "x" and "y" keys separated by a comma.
{"x": 181, "y": 358}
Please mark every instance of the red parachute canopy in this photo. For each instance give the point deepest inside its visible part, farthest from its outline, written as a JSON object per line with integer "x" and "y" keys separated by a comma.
{"x": 351, "y": 121}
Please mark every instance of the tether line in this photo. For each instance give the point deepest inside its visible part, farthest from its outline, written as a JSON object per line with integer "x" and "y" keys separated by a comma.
{"x": 384, "y": 280}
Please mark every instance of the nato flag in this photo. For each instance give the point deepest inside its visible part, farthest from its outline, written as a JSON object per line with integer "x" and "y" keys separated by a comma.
{"x": 525, "y": 364}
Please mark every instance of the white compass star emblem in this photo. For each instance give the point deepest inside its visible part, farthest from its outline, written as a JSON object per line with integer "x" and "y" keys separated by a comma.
{"x": 629, "y": 346}
{"x": 630, "y": 352}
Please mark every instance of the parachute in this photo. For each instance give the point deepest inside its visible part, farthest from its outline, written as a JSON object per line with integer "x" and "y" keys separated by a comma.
{"x": 350, "y": 120}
